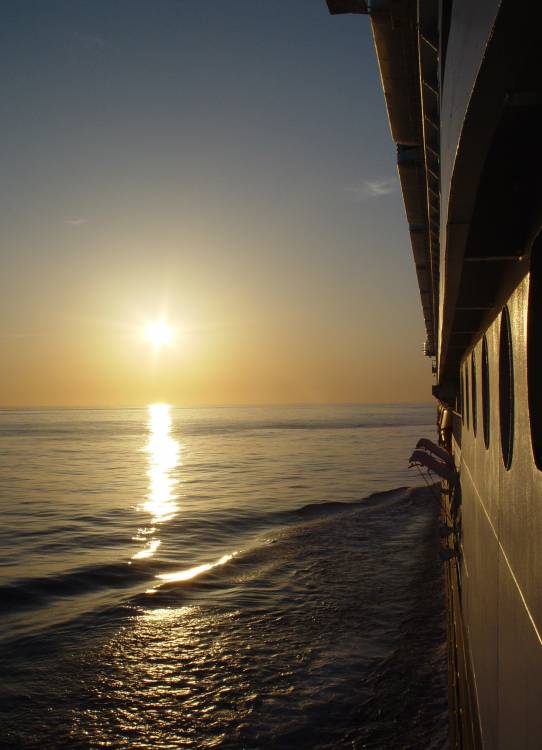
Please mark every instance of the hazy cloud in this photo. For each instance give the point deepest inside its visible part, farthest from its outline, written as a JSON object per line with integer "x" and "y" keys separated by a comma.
{"x": 373, "y": 189}
{"x": 76, "y": 222}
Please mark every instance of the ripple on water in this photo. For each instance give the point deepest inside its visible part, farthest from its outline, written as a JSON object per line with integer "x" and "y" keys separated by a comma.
{"x": 325, "y": 630}
{"x": 319, "y": 643}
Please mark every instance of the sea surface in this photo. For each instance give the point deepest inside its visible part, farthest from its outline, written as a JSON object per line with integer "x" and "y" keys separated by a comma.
{"x": 222, "y": 577}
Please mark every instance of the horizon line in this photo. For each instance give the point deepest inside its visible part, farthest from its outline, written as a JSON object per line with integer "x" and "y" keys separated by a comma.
{"x": 234, "y": 405}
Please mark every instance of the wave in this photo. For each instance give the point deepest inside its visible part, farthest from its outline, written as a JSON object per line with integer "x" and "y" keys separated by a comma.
{"x": 88, "y": 434}
{"x": 39, "y": 591}
{"x": 59, "y": 426}
{"x": 326, "y": 630}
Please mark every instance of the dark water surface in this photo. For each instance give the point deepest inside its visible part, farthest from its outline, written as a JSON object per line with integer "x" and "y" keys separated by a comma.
{"x": 236, "y": 578}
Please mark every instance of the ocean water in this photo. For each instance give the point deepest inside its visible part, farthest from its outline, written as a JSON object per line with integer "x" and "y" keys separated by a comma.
{"x": 236, "y": 578}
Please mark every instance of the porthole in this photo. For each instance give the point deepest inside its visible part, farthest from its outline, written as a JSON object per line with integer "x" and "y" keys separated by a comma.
{"x": 461, "y": 397}
{"x": 506, "y": 389}
{"x": 485, "y": 392}
{"x": 534, "y": 351}
{"x": 467, "y": 405}
{"x": 473, "y": 394}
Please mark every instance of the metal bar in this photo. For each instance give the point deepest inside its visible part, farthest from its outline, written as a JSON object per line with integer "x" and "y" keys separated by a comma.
{"x": 492, "y": 258}
{"x": 429, "y": 43}
{"x": 492, "y": 307}
{"x": 431, "y": 88}
{"x": 433, "y": 174}
{"x": 432, "y": 123}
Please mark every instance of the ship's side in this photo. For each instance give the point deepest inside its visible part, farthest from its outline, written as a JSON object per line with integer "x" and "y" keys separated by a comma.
{"x": 463, "y": 87}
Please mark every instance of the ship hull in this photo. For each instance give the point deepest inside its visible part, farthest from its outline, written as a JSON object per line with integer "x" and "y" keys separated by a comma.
{"x": 463, "y": 88}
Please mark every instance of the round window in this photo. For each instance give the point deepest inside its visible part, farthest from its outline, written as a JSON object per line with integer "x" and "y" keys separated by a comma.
{"x": 461, "y": 397}
{"x": 534, "y": 351}
{"x": 506, "y": 389}
{"x": 473, "y": 394}
{"x": 467, "y": 405}
{"x": 485, "y": 392}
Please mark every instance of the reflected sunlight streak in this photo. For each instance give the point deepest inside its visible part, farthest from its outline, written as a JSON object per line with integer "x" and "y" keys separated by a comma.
{"x": 163, "y": 457}
{"x": 167, "y": 613}
{"x": 186, "y": 575}
{"x": 148, "y": 551}
{"x": 163, "y": 453}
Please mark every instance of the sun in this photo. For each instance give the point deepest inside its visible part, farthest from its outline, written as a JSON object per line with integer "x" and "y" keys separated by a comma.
{"x": 159, "y": 333}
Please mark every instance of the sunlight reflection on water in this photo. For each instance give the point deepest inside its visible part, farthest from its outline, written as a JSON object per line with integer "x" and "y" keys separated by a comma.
{"x": 163, "y": 457}
{"x": 186, "y": 575}
{"x": 323, "y": 630}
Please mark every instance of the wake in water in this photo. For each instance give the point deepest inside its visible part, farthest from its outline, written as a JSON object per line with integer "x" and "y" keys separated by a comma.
{"x": 327, "y": 631}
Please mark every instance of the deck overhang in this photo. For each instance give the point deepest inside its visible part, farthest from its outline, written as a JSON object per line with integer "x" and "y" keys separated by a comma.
{"x": 491, "y": 107}
{"x": 463, "y": 97}
{"x": 394, "y": 26}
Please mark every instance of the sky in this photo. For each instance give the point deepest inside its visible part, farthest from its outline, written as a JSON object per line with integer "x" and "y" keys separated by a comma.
{"x": 224, "y": 166}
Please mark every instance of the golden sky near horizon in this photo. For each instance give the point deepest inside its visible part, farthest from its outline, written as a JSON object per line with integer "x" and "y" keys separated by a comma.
{"x": 229, "y": 170}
